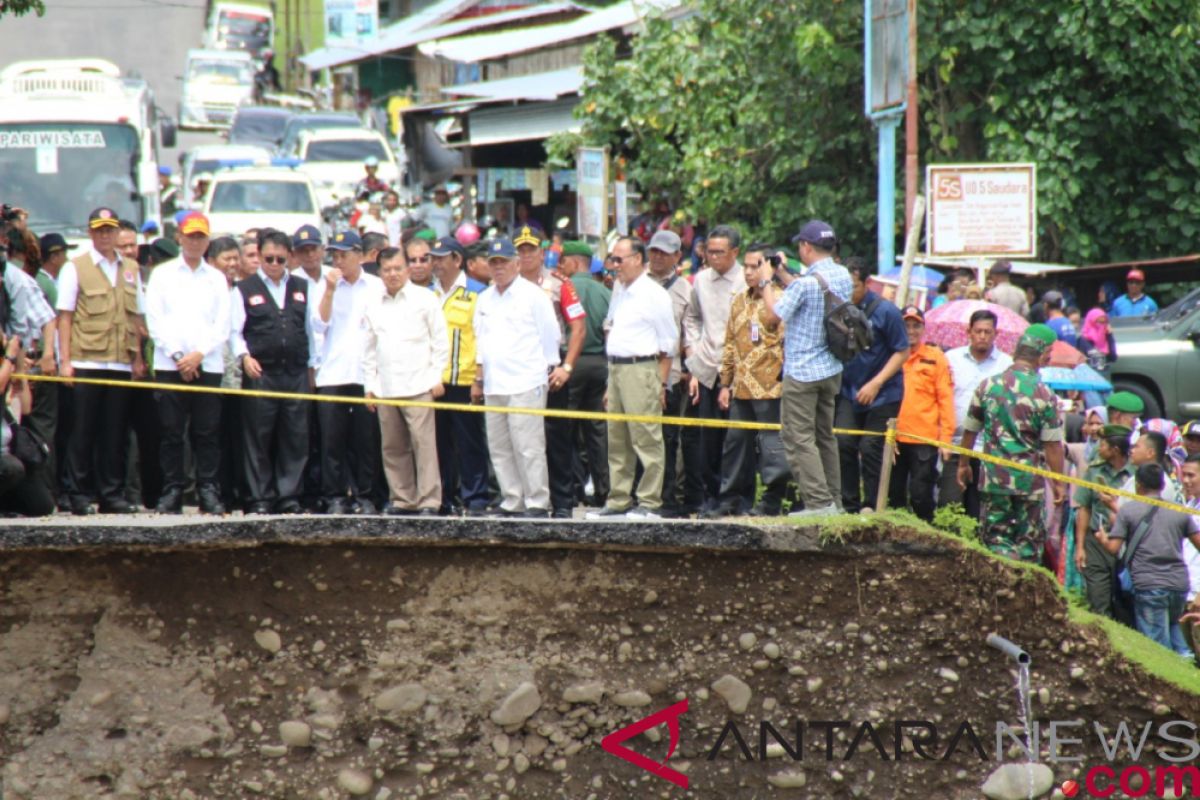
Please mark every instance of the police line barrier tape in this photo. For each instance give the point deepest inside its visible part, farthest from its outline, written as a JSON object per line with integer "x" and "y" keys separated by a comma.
{"x": 604, "y": 416}
{"x": 600, "y": 416}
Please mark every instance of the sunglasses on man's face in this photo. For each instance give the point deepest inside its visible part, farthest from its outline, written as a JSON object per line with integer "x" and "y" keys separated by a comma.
{"x": 274, "y": 259}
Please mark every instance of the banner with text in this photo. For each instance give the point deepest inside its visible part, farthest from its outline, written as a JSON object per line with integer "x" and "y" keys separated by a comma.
{"x": 981, "y": 210}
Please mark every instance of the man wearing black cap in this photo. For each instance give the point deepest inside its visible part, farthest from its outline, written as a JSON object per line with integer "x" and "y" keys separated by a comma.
{"x": 269, "y": 321}
{"x": 100, "y": 331}
{"x": 309, "y": 252}
{"x": 54, "y": 255}
{"x": 461, "y": 440}
{"x": 812, "y": 374}
{"x": 350, "y": 455}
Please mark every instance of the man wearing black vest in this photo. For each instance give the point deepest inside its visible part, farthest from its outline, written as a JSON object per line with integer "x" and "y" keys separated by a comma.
{"x": 270, "y": 337}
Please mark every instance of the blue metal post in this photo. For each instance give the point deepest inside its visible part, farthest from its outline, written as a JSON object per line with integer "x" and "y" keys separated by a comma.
{"x": 886, "y": 209}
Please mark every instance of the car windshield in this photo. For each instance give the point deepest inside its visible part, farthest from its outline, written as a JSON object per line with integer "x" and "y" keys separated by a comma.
{"x": 1179, "y": 309}
{"x": 257, "y": 128}
{"x": 345, "y": 150}
{"x": 60, "y": 172}
{"x": 245, "y": 31}
{"x": 226, "y": 73}
{"x": 261, "y": 197}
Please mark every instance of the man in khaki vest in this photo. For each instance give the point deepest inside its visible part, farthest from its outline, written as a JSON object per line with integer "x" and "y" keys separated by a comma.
{"x": 100, "y": 331}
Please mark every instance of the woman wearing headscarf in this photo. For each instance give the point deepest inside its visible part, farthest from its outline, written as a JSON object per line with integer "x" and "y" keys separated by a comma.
{"x": 1097, "y": 344}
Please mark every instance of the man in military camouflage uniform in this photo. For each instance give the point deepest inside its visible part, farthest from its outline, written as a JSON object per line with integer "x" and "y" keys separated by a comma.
{"x": 1016, "y": 417}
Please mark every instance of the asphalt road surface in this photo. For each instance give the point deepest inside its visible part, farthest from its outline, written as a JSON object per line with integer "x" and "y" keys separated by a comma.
{"x": 150, "y": 37}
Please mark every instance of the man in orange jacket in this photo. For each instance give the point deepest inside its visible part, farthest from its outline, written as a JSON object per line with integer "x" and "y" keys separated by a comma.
{"x": 927, "y": 410}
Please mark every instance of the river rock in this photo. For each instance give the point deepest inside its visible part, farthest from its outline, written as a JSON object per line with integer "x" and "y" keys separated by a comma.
{"x": 591, "y": 692}
{"x": 354, "y": 781}
{"x": 268, "y": 640}
{"x": 788, "y": 779}
{"x": 518, "y": 706}
{"x": 633, "y": 698}
{"x": 1012, "y": 782}
{"x": 405, "y": 698}
{"x": 734, "y": 691}
{"x": 294, "y": 733}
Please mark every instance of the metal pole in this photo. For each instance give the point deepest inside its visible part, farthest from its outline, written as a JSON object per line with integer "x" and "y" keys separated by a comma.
{"x": 910, "y": 249}
{"x": 885, "y": 474}
{"x": 910, "y": 117}
{"x": 886, "y": 208}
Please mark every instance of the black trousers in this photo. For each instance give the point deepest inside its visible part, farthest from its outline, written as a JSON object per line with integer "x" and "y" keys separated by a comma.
{"x": 914, "y": 477}
{"x": 43, "y": 419}
{"x": 24, "y": 490}
{"x": 691, "y": 498}
{"x": 99, "y": 428}
{"x": 462, "y": 453}
{"x": 866, "y": 451}
{"x": 588, "y": 384}
{"x": 560, "y": 451}
{"x": 748, "y": 453}
{"x": 199, "y": 413}
{"x": 147, "y": 430}
{"x": 274, "y": 438}
{"x": 711, "y": 442}
{"x": 950, "y": 492}
{"x": 351, "y": 455}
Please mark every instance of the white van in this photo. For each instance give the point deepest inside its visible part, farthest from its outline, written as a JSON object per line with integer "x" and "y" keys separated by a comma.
{"x": 241, "y": 26}
{"x": 215, "y": 83}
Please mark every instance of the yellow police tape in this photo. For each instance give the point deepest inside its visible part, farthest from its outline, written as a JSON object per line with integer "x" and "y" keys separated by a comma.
{"x": 603, "y": 416}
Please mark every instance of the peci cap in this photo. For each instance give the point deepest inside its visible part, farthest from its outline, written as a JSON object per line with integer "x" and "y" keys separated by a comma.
{"x": 666, "y": 241}
{"x": 345, "y": 240}
{"x": 1127, "y": 402}
{"x": 577, "y": 249}
{"x": 448, "y": 245}
{"x": 817, "y": 233}
{"x": 194, "y": 223}
{"x": 526, "y": 235}
{"x": 1136, "y": 275}
{"x": 53, "y": 242}
{"x": 103, "y": 218}
{"x": 306, "y": 235}
{"x": 1115, "y": 431}
{"x": 914, "y": 313}
{"x": 501, "y": 248}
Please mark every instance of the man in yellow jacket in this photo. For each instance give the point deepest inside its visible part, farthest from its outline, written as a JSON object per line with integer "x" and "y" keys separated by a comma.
{"x": 927, "y": 410}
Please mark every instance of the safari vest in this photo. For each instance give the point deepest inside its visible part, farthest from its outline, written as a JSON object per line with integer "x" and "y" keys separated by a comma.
{"x": 105, "y": 325}
{"x": 459, "y": 310}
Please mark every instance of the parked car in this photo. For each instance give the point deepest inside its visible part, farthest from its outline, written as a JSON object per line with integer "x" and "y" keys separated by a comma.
{"x": 334, "y": 158}
{"x": 1158, "y": 359}
{"x": 215, "y": 83}
{"x": 247, "y": 197}
{"x": 316, "y": 120}
{"x": 208, "y": 158}
{"x": 259, "y": 125}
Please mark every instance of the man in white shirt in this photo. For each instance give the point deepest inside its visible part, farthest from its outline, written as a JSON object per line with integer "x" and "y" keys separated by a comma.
{"x": 308, "y": 253}
{"x": 970, "y": 365}
{"x": 349, "y": 433}
{"x": 100, "y": 330}
{"x": 187, "y": 311}
{"x": 407, "y": 349}
{"x": 439, "y": 214}
{"x": 642, "y": 340}
{"x": 517, "y": 338}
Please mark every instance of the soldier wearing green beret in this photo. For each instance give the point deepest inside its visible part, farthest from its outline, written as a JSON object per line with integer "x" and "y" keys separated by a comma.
{"x": 1015, "y": 416}
{"x": 1126, "y": 408}
{"x": 1111, "y": 467}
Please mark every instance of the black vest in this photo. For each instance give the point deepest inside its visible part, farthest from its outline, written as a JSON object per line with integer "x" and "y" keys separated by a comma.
{"x": 276, "y": 338}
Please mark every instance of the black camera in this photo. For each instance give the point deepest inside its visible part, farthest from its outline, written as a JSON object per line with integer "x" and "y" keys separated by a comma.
{"x": 9, "y": 213}
{"x": 776, "y": 261}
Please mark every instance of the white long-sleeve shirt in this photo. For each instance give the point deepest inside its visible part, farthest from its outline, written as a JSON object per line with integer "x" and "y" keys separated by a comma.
{"x": 338, "y": 345}
{"x": 187, "y": 311}
{"x": 517, "y": 336}
{"x": 407, "y": 344}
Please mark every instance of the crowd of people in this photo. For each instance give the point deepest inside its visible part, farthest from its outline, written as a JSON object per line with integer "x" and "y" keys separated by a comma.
{"x": 746, "y": 337}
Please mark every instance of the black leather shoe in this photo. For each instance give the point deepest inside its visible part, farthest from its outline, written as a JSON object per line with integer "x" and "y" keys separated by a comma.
{"x": 717, "y": 512}
{"x": 210, "y": 501}
{"x": 83, "y": 509}
{"x": 535, "y": 513}
{"x": 171, "y": 502}
{"x": 365, "y": 506}
{"x": 261, "y": 507}
{"x": 338, "y": 506}
{"x": 563, "y": 513}
{"x": 118, "y": 506}
{"x": 766, "y": 510}
{"x": 397, "y": 511}
{"x": 429, "y": 512}
{"x": 290, "y": 507}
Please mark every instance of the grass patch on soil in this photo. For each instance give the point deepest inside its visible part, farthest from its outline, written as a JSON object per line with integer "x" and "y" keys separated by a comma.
{"x": 1149, "y": 655}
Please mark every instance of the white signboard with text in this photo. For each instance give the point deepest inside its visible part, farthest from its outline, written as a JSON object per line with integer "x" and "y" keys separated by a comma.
{"x": 592, "y": 191}
{"x": 984, "y": 210}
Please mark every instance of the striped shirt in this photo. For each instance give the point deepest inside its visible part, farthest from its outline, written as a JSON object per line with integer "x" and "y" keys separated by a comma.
{"x": 29, "y": 311}
{"x": 806, "y": 354}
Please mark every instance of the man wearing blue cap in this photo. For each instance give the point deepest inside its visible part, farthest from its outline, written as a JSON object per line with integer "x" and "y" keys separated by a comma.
{"x": 309, "y": 252}
{"x": 167, "y": 192}
{"x": 350, "y": 455}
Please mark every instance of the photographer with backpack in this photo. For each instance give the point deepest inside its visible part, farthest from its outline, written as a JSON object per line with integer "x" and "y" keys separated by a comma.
{"x": 823, "y": 329}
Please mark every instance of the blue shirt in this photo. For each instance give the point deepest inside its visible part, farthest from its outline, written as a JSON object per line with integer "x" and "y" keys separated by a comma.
{"x": 1065, "y": 330}
{"x": 890, "y": 338}
{"x": 1123, "y": 306}
{"x": 806, "y": 354}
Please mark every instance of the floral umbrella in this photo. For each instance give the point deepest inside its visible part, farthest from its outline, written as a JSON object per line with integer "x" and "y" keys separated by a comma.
{"x": 946, "y": 325}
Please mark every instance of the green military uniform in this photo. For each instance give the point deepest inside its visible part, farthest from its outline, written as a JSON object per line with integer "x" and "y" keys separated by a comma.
{"x": 1015, "y": 415}
{"x": 1098, "y": 571}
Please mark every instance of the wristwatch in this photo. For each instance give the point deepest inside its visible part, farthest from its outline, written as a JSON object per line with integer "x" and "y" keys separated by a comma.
{"x": 567, "y": 368}
{"x": 178, "y": 354}
{"x": 764, "y": 283}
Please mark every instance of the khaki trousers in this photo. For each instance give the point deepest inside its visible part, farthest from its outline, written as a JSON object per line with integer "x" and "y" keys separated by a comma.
{"x": 410, "y": 461}
{"x": 517, "y": 444}
{"x": 635, "y": 389}
{"x": 808, "y": 439}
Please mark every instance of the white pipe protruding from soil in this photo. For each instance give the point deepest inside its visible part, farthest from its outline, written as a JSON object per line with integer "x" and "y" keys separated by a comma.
{"x": 1009, "y": 649}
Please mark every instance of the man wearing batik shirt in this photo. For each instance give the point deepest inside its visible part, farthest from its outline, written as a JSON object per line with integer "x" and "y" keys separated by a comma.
{"x": 560, "y": 444}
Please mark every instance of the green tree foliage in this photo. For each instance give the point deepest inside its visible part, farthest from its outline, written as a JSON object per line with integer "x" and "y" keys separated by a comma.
{"x": 20, "y": 7}
{"x": 752, "y": 112}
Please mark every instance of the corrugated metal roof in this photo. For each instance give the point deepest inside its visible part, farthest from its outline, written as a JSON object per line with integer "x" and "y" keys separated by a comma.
{"x": 489, "y": 46}
{"x": 540, "y": 86}
{"x": 522, "y": 123}
{"x": 435, "y": 22}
